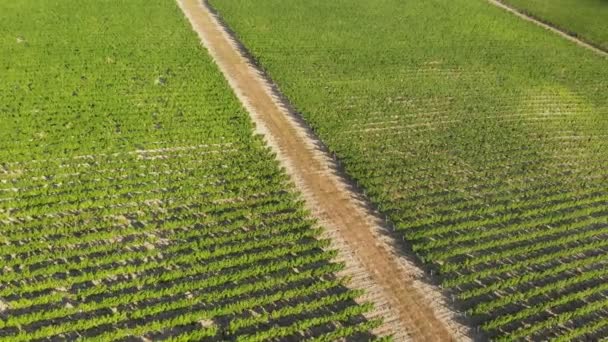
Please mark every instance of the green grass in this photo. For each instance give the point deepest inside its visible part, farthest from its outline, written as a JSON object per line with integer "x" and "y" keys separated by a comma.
{"x": 135, "y": 199}
{"x": 481, "y": 137}
{"x": 587, "y": 19}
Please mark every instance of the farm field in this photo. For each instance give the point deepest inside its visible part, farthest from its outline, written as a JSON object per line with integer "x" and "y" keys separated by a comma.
{"x": 482, "y": 137}
{"x": 585, "y": 19}
{"x": 136, "y": 203}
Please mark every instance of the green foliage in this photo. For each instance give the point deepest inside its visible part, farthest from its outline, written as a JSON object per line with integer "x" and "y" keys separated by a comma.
{"x": 585, "y": 19}
{"x": 135, "y": 200}
{"x": 480, "y": 136}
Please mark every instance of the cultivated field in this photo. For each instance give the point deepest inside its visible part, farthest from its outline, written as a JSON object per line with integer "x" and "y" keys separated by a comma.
{"x": 152, "y": 189}
{"x": 481, "y": 136}
{"x": 586, "y": 19}
{"x": 136, "y": 204}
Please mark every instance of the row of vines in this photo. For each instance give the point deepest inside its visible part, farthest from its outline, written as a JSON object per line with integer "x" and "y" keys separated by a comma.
{"x": 135, "y": 201}
{"x": 482, "y": 138}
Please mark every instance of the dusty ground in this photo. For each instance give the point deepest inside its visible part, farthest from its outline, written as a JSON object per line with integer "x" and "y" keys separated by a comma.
{"x": 412, "y": 308}
{"x": 548, "y": 27}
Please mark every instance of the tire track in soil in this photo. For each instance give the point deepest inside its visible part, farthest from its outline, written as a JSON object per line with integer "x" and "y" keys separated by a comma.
{"x": 412, "y": 309}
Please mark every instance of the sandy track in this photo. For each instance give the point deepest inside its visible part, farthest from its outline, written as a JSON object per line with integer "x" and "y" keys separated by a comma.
{"x": 412, "y": 308}
{"x": 549, "y": 27}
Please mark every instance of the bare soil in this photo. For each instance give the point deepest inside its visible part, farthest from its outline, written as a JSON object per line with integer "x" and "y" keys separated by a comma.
{"x": 413, "y": 309}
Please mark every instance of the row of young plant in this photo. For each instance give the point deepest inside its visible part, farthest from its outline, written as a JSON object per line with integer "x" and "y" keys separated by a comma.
{"x": 484, "y": 144}
{"x": 135, "y": 200}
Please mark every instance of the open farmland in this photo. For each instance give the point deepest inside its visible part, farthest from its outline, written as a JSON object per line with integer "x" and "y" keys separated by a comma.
{"x": 135, "y": 201}
{"x": 482, "y": 137}
{"x": 586, "y": 19}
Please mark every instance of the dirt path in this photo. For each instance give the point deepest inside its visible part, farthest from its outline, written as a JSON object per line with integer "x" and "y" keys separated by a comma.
{"x": 549, "y": 27}
{"x": 412, "y": 309}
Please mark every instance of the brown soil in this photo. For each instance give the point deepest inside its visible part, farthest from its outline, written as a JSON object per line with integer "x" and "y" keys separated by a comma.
{"x": 412, "y": 313}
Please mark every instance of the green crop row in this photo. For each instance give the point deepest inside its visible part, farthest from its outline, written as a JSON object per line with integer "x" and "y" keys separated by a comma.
{"x": 584, "y": 19}
{"x": 136, "y": 200}
{"x": 479, "y": 136}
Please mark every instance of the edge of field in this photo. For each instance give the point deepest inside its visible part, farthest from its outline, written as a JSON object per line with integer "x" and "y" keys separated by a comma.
{"x": 569, "y": 35}
{"x": 403, "y": 295}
